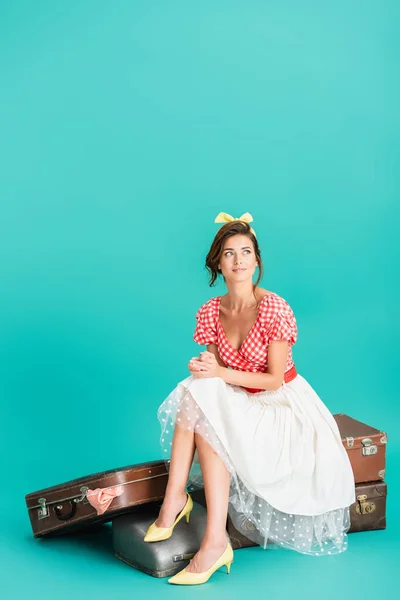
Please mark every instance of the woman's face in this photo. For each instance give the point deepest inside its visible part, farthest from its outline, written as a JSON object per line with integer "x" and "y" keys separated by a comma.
{"x": 238, "y": 260}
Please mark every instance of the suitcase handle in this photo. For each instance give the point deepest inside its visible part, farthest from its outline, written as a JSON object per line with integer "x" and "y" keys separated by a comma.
{"x": 57, "y": 510}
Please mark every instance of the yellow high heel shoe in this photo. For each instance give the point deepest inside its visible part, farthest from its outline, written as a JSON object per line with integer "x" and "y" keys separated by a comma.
{"x": 156, "y": 534}
{"x": 186, "y": 578}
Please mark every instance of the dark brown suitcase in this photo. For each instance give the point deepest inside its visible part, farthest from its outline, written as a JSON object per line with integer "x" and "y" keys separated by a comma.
{"x": 65, "y": 507}
{"x": 366, "y": 448}
{"x": 369, "y": 510}
{"x": 366, "y": 514}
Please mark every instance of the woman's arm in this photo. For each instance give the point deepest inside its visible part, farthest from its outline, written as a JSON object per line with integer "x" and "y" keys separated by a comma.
{"x": 213, "y": 348}
{"x": 211, "y": 365}
{"x": 271, "y": 380}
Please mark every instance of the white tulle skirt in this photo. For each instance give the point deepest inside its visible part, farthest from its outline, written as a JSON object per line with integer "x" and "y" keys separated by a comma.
{"x": 291, "y": 482}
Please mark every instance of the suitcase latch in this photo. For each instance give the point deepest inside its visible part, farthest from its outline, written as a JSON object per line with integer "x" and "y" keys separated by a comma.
{"x": 43, "y": 511}
{"x": 83, "y": 497}
{"x": 368, "y": 447}
{"x": 179, "y": 557}
{"x": 350, "y": 442}
{"x": 363, "y": 507}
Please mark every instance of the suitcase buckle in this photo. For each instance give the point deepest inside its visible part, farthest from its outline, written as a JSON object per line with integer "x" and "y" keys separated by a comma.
{"x": 368, "y": 448}
{"x": 363, "y": 507}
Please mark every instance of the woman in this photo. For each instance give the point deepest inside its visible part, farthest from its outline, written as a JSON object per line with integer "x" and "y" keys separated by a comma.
{"x": 270, "y": 451}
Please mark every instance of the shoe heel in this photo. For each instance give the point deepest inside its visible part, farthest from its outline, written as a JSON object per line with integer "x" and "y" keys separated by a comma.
{"x": 187, "y": 517}
{"x": 228, "y": 567}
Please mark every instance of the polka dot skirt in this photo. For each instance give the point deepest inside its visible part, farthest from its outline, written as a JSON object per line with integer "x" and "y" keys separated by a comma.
{"x": 253, "y": 516}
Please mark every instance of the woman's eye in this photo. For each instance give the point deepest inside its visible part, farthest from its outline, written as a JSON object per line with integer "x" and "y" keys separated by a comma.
{"x": 229, "y": 252}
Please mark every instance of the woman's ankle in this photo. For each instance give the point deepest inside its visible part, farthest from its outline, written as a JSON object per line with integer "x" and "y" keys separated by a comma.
{"x": 172, "y": 497}
{"x": 214, "y": 541}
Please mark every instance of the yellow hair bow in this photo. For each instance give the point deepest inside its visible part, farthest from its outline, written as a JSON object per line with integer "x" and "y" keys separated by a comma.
{"x": 225, "y": 218}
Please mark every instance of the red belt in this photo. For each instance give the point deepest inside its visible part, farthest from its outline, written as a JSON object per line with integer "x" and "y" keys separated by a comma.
{"x": 288, "y": 376}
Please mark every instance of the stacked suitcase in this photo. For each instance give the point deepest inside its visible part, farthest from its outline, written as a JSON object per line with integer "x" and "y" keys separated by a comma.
{"x": 366, "y": 447}
{"x": 131, "y": 497}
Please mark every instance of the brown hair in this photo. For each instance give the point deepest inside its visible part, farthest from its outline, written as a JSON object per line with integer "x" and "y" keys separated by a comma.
{"x": 215, "y": 252}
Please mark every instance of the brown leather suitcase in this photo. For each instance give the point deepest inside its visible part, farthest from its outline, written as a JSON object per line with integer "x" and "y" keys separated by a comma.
{"x": 65, "y": 507}
{"x": 369, "y": 510}
{"x": 366, "y": 514}
{"x": 366, "y": 448}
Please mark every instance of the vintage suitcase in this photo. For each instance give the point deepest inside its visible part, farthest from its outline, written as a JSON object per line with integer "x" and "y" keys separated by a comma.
{"x": 159, "y": 559}
{"x": 366, "y": 514}
{"x": 65, "y": 507}
{"x": 366, "y": 448}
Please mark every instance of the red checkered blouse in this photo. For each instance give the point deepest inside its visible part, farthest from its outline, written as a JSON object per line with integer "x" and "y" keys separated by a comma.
{"x": 275, "y": 321}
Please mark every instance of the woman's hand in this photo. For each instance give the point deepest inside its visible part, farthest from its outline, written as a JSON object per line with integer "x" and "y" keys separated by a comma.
{"x": 204, "y": 366}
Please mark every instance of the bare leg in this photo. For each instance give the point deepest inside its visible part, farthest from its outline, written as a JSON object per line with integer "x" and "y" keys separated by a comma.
{"x": 216, "y": 479}
{"x": 183, "y": 448}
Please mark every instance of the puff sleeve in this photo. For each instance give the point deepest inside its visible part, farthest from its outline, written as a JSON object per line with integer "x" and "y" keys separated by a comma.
{"x": 205, "y": 332}
{"x": 282, "y": 325}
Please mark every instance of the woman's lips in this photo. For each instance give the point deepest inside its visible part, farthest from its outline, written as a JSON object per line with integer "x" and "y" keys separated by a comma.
{"x": 238, "y": 270}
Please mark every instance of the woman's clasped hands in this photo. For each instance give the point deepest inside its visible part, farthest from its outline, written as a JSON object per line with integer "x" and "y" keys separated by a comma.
{"x": 204, "y": 366}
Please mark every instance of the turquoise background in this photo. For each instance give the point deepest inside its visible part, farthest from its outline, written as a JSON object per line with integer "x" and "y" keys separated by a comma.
{"x": 125, "y": 128}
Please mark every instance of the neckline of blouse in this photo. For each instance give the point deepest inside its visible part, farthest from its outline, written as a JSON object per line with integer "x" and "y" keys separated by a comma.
{"x": 250, "y": 330}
